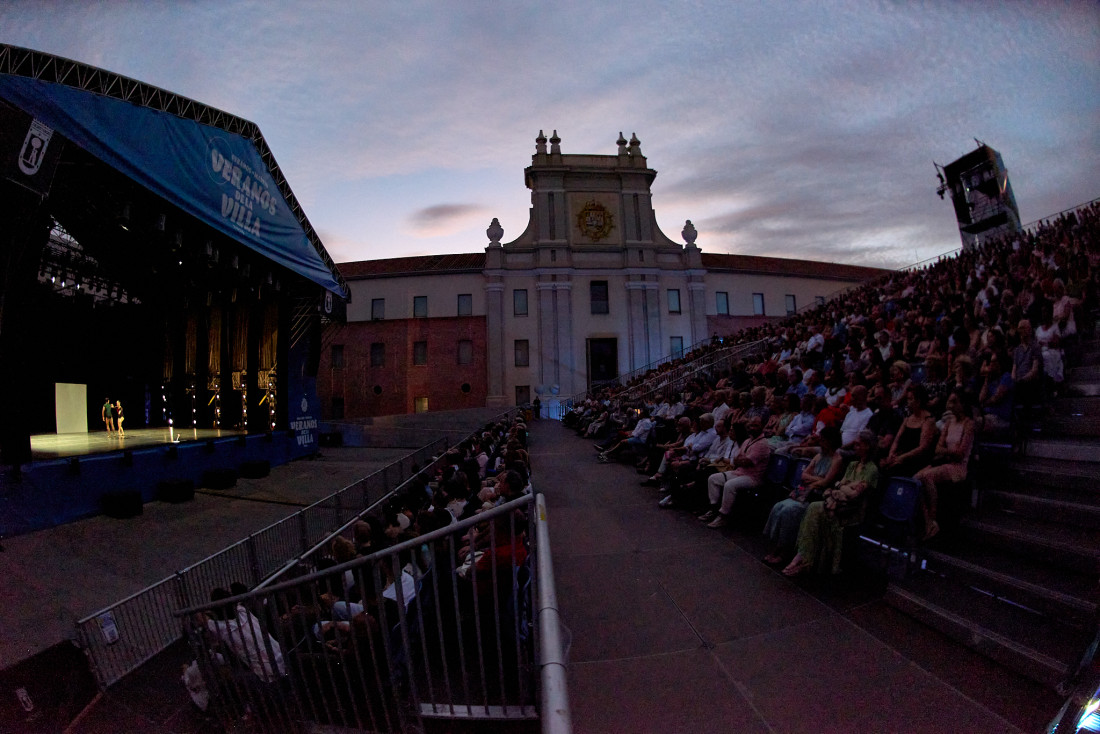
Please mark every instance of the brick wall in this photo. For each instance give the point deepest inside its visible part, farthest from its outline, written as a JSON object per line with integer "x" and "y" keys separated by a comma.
{"x": 392, "y": 388}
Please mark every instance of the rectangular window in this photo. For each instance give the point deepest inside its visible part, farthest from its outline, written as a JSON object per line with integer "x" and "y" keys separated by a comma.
{"x": 337, "y": 356}
{"x": 337, "y": 408}
{"x": 465, "y": 304}
{"x": 674, "y": 300}
{"x": 420, "y": 405}
{"x": 377, "y": 309}
{"x": 597, "y": 291}
{"x": 757, "y": 304}
{"x": 791, "y": 306}
{"x": 523, "y": 353}
{"x": 519, "y": 302}
{"x": 523, "y": 394}
{"x": 465, "y": 351}
{"x": 676, "y": 346}
{"x": 722, "y": 303}
{"x": 378, "y": 354}
{"x": 420, "y": 307}
{"x": 420, "y": 353}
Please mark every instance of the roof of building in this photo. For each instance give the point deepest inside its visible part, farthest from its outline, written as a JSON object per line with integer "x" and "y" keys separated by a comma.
{"x": 787, "y": 266}
{"x": 475, "y": 261}
{"x": 462, "y": 262}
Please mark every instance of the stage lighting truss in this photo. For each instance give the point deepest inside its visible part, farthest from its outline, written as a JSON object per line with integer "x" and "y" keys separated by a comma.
{"x": 68, "y": 270}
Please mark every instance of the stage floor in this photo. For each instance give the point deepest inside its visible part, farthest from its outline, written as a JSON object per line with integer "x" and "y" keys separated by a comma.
{"x": 61, "y": 445}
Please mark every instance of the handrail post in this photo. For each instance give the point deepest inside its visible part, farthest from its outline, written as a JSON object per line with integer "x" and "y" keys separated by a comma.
{"x": 554, "y": 699}
{"x": 303, "y": 531}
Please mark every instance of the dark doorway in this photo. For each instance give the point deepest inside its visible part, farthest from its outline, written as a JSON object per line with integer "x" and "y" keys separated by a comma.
{"x": 603, "y": 360}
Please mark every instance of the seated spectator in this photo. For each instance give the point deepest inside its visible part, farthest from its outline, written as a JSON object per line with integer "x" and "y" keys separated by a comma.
{"x": 821, "y": 534}
{"x": 749, "y": 466}
{"x": 786, "y": 516}
{"x": 783, "y": 409}
{"x": 995, "y": 398}
{"x": 1049, "y": 338}
{"x": 686, "y": 429}
{"x": 637, "y": 439}
{"x": 1027, "y": 368}
{"x": 243, "y": 634}
{"x": 912, "y": 446}
{"x": 951, "y": 459}
{"x": 898, "y": 383}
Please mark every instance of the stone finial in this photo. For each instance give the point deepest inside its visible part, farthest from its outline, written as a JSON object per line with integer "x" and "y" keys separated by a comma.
{"x": 495, "y": 232}
{"x": 688, "y": 233}
{"x": 540, "y": 144}
{"x": 622, "y": 144}
{"x": 555, "y": 144}
{"x": 635, "y": 145}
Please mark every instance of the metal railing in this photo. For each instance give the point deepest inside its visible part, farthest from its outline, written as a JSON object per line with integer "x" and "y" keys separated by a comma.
{"x": 121, "y": 637}
{"x": 462, "y": 635}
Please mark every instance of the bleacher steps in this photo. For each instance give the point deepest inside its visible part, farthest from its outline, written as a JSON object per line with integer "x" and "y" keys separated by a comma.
{"x": 1073, "y": 548}
{"x": 1084, "y": 373}
{"x": 1068, "y": 449}
{"x": 1013, "y": 585}
{"x": 1015, "y": 637}
{"x": 1083, "y": 389}
{"x": 1071, "y": 477}
{"x": 1077, "y": 406}
{"x": 1044, "y": 508}
{"x": 1072, "y": 425}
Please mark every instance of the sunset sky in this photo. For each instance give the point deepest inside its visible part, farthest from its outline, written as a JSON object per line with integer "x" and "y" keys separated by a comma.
{"x": 791, "y": 129}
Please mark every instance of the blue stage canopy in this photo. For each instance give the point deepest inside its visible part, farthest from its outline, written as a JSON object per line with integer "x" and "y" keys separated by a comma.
{"x": 216, "y": 176}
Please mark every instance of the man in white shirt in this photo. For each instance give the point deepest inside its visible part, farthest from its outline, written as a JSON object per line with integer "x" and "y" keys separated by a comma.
{"x": 856, "y": 418}
{"x": 242, "y": 633}
{"x": 637, "y": 439}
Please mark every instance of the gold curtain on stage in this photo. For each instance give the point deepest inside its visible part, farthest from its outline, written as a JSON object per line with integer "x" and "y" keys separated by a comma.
{"x": 238, "y": 340}
{"x": 191, "y": 344}
{"x": 169, "y": 357}
{"x": 269, "y": 342}
{"x": 214, "y": 363}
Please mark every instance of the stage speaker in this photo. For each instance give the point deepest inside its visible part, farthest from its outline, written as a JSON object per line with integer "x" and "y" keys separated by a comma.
{"x": 255, "y": 469}
{"x": 219, "y": 478}
{"x": 176, "y": 490}
{"x": 122, "y": 504}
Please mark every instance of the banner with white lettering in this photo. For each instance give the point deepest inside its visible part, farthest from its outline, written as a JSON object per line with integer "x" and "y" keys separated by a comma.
{"x": 211, "y": 174}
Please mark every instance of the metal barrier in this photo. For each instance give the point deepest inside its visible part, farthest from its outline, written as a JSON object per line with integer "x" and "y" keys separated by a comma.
{"x": 119, "y": 638}
{"x": 459, "y": 623}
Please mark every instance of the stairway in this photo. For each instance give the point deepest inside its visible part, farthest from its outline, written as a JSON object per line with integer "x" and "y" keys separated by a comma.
{"x": 1019, "y": 579}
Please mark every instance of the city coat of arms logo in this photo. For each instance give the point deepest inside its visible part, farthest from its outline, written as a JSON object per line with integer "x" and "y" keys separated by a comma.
{"x": 594, "y": 221}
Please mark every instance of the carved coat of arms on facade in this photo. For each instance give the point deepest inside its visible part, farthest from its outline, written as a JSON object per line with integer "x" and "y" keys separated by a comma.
{"x": 594, "y": 221}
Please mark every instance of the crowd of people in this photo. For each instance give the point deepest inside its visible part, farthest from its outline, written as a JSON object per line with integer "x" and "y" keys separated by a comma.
{"x": 903, "y": 376}
{"x": 344, "y": 614}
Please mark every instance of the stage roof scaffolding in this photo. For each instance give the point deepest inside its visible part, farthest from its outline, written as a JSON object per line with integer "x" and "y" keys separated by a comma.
{"x": 210, "y": 164}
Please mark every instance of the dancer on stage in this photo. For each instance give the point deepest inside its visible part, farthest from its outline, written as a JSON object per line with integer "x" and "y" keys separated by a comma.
{"x": 118, "y": 412}
{"x": 108, "y": 414}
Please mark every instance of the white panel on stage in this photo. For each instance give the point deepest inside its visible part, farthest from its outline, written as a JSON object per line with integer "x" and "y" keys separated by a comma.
{"x": 72, "y": 407}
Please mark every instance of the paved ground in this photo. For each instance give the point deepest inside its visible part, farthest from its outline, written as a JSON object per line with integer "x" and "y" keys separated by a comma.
{"x": 678, "y": 628}
{"x": 675, "y": 627}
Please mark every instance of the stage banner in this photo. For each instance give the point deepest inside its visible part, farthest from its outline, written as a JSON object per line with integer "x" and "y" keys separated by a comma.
{"x": 216, "y": 176}
{"x": 303, "y": 405}
{"x": 29, "y": 149}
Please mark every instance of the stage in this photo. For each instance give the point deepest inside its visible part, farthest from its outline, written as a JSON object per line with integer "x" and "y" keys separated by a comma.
{"x": 63, "y": 445}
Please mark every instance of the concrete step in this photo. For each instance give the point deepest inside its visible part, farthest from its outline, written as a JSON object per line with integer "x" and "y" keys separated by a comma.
{"x": 1068, "y": 449}
{"x": 1032, "y": 585}
{"x": 1071, "y": 426}
{"x": 1017, "y": 638}
{"x": 1083, "y": 389}
{"x": 1073, "y": 478}
{"x": 1076, "y": 406}
{"x": 1028, "y": 505}
{"x": 1084, "y": 373}
{"x": 1062, "y": 546}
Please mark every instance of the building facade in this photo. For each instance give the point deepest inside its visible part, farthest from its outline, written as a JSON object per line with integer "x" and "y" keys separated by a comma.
{"x": 590, "y": 290}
